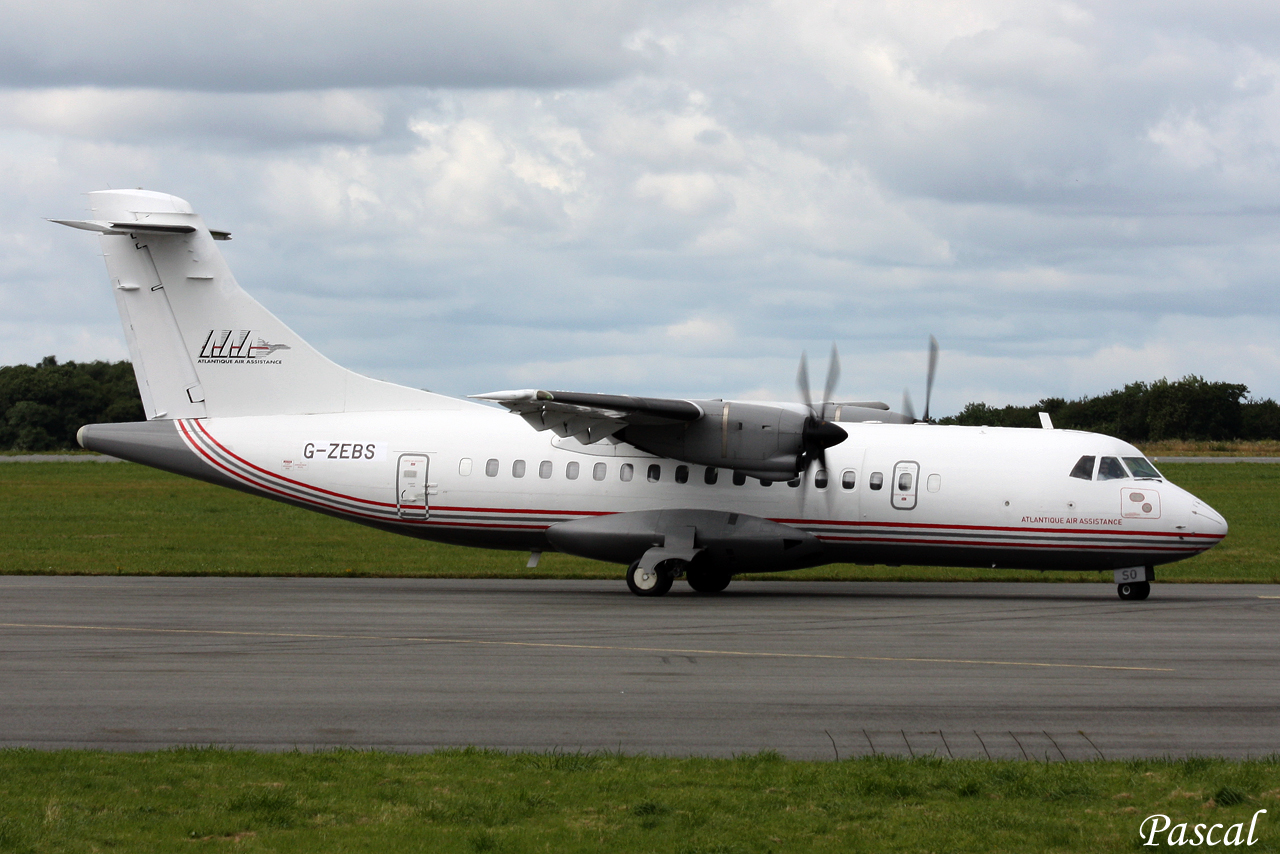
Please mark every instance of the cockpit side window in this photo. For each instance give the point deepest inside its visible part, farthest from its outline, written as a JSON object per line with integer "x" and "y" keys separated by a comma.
{"x": 1084, "y": 468}
{"x": 1110, "y": 469}
{"x": 1142, "y": 468}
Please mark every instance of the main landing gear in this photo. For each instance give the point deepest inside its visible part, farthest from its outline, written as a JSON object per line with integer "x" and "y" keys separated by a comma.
{"x": 1134, "y": 591}
{"x": 706, "y": 579}
{"x": 649, "y": 582}
{"x": 658, "y": 580}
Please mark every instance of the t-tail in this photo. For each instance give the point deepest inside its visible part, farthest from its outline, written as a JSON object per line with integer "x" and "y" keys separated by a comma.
{"x": 201, "y": 346}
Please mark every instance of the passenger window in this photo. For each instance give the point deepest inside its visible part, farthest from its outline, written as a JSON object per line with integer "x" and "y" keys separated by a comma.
{"x": 571, "y": 470}
{"x": 626, "y": 472}
{"x": 1110, "y": 469}
{"x": 1142, "y": 468}
{"x": 877, "y": 480}
{"x": 655, "y": 473}
{"x": 849, "y": 479}
{"x": 599, "y": 470}
{"x": 904, "y": 482}
{"x": 544, "y": 469}
{"x": 464, "y": 466}
{"x": 710, "y": 476}
{"x": 491, "y": 468}
{"x": 682, "y": 474}
{"x": 517, "y": 468}
{"x": 935, "y": 482}
{"x": 739, "y": 478}
{"x": 1084, "y": 468}
{"x": 820, "y": 479}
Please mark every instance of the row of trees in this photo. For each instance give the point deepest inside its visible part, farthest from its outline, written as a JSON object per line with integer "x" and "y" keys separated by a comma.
{"x": 1190, "y": 408}
{"x": 42, "y": 406}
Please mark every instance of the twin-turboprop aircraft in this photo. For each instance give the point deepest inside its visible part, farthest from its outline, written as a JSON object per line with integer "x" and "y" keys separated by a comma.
{"x": 699, "y": 489}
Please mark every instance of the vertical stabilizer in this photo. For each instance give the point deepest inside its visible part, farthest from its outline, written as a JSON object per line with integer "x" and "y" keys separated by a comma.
{"x": 200, "y": 345}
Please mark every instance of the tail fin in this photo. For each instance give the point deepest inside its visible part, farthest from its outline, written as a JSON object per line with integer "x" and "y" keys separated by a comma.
{"x": 200, "y": 345}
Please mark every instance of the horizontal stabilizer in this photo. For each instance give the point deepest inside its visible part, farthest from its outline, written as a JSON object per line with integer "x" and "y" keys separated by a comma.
{"x": 121, "y": 228}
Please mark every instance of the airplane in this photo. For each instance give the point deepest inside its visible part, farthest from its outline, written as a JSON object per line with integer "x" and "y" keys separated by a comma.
{"x": 696, "y": 489}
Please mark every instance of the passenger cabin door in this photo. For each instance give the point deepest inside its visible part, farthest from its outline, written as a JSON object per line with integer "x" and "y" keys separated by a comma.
{"x": 906, "y": 483}
{"x": 411, "y": 486}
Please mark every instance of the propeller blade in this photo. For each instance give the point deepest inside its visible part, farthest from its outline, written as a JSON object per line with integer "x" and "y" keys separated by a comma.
{"x": 833, "y": 376}
{"x": 907, "y": 409}
{"x": 933, "y": 369}
{"x": 802, "y": 380}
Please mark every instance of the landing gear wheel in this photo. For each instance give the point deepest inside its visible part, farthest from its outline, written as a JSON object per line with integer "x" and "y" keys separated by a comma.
{"x": 648, "y": 582}
{"x": 707, "y": 580}
{"x": 1134, "y": 591}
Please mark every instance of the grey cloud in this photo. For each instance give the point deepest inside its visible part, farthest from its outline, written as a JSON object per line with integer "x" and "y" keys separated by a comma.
{"x": 275, "y": 45}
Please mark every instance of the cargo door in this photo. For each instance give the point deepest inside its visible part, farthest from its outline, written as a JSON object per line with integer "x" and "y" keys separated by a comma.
{"x": 411, "y": 486}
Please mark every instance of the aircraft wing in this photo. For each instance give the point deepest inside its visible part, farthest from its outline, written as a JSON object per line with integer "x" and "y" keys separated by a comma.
{"x": 592, "y": 417}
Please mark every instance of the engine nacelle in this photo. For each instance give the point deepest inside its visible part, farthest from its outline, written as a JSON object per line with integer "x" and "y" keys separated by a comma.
{"x": 767, "y": 441}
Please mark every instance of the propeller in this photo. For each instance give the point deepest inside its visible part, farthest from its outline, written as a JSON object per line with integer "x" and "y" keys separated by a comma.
{"x": 909, "y": 410}
{"x": 819, "y": 434}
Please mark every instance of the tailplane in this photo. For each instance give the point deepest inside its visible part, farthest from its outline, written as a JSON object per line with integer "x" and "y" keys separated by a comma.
{"x": 200, "y": 345}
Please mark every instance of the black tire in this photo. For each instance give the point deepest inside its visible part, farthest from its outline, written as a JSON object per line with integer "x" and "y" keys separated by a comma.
{"x": 706, "y": 579}
{"x": 1135, "y": 591}
{"x": 641, "y": 587}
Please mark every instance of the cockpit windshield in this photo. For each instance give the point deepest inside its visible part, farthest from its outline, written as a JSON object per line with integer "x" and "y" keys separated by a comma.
{"x": 1084, "y": 468}
{"x": 1110, "y": 469}
{"x": 1142, "y": 468}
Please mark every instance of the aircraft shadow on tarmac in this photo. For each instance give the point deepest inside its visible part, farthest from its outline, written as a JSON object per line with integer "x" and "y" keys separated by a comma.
{"x": 1027, "y": 592}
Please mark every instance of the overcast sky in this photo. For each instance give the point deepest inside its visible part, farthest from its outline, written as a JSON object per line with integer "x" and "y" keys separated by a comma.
{"x": 675, "y": 198}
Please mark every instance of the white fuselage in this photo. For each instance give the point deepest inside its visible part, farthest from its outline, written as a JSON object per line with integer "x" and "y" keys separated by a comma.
{"x": 479, "y": 476}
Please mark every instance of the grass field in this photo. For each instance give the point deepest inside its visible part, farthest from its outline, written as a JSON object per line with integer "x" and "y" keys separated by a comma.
{"x": 476, "y": 801}
{"x": 123, "y": 518}
{"x": 1233, "y": 448}
{"x": 128, "y": 519}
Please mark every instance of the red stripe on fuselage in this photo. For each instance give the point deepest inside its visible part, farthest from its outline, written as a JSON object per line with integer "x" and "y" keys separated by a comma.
{"x": 285, "y": 479}
{"x": 261, "y": 486}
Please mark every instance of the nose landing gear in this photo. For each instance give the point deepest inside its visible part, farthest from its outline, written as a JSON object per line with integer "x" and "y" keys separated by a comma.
{"x": 1134, "y": 591}
{"x": 1133, "y": 583}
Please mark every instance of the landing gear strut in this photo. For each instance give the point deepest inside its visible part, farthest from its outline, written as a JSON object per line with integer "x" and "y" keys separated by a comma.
{"x": 1134, "y": 590}
{"x": 649, "y": 582}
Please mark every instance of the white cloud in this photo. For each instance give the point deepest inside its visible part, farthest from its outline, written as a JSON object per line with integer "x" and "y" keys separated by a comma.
{"x": 678, "y": 199}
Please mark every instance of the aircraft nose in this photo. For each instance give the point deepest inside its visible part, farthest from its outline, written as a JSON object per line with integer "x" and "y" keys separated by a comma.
{"x": 1206, "y": 521}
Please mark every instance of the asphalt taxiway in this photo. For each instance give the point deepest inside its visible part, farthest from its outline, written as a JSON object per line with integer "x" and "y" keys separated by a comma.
{"x": 811, "y": 669}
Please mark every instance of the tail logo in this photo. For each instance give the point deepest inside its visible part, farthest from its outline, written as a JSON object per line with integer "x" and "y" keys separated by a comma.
{"x": 237, "y": 346}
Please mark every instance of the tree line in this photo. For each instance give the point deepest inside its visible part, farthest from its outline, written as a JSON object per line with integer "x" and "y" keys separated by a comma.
{"x": 42, "y": 406}
{"x": 1191, "y": 408}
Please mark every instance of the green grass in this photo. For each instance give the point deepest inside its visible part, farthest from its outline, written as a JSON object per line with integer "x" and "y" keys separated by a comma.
{"x": 476, "y": 801}
{"x": 129, "y": 519}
